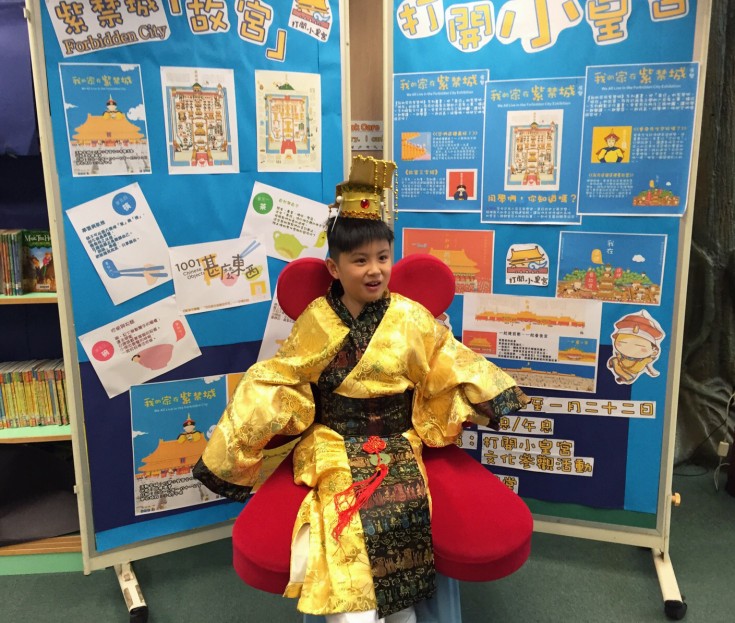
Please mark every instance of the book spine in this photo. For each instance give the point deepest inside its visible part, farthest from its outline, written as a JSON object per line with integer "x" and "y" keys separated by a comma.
{"x": 58, "y": 402}
{"x": 39, "y": 388}
{"x": 30, "y": 408}
{"x": 61, "y": 391}
{"x": 48, "y": 390}
{"x": 15, "y": 392}
{"x": 7, "y": 399}
{"x": 16, "y": 243}
{"x": 5, "y": 276}
{"x": 4, "y": 417}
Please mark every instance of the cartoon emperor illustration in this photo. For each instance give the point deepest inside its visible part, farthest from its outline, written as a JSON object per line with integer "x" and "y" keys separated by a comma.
{"x": 612, "y": 151}
{"x": 635, "y": 342}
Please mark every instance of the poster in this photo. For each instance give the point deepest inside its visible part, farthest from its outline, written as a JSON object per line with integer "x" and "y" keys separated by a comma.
{"x": 585, "y": 123}
{"x": 208, "y": 86}
{"x": 291, "y": 226}
{"x": 124, "y": 242}
{"x": 277, "y": 329}
{"x": 612, "y": 267}
{"x": 314, "y": 19}
{"x": 201, "y": 124}
{"x": 105, "y": 119}
{"x": 170, "y": 426}
{"x": 468, "y": 253}
{"x": 438, "y": 120}
{"x": 638, "y": 129}
{"x": 220, "y": 274}
{"x": 533, "y": 131}
{"x": 527, "y": 263}
{"x": 541, "y": 342}
{"x": 289, "y": 125}
{"x": 139, "y": 347}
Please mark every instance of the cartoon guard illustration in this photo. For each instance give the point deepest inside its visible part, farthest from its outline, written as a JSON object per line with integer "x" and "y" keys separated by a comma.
{"x": 635, "y": 347}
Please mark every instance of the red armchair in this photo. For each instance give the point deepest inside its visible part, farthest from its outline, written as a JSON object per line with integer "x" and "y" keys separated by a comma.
{"x": 481, "y": 529}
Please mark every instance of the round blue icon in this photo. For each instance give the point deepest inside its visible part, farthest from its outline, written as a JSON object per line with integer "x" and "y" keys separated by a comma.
{"x": 123, "y": 203}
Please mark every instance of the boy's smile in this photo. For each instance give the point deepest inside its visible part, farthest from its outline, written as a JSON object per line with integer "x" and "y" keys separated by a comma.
{"x": 363, "y": 272}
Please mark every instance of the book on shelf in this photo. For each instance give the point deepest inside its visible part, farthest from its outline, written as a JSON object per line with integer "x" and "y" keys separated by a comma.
{"x": 32, "y": 393}
{"x": 11, "y": 272}
{"x": 26, "y": 262}
{"x": 38, "y": 270}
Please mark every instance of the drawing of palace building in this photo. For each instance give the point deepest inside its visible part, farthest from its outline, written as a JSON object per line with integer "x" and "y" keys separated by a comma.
{"x": 199, "y": 122}
{"x": 524, "y": 257}
{"x": 529, "y": 318}
{"x": 108, "y": 129}
{"x": 175, "y": 457}
{"x": 287, "y": 122}
{"x": 411, "y": 150}
{"x": 528, "y": 377}
{"x": 532, "y": 155}
{"x": 465, "y": 269}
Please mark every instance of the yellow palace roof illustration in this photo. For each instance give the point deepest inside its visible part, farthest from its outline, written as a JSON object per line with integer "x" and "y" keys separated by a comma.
{"x": 172, "y": 455}
{"x": 524, "y": 256}
{"x": 529, "y": 317}
{"x": 457, "y": 260}
{"x": 110, "y": 127}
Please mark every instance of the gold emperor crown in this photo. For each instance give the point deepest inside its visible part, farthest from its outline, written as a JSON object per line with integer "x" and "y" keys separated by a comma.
{"x": 361, "y": 196}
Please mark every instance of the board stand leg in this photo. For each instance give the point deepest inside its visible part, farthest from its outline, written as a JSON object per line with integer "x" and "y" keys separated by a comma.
{"x": 131, "y": 592}
{"x": 674, "y": 605}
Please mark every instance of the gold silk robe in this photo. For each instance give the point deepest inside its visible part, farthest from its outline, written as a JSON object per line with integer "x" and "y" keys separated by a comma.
{"x": 409, "y": 350}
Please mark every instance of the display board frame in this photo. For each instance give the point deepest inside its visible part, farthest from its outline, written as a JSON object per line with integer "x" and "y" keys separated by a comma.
{"x": 656, "y": 537}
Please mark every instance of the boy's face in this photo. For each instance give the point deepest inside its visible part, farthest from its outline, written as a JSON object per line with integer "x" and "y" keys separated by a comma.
{"x": 364, "y": 273}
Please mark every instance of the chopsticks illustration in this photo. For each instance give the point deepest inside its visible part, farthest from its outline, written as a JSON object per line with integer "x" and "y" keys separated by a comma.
{"x": 114, "y": 272}
{"x": 250, "y": 248}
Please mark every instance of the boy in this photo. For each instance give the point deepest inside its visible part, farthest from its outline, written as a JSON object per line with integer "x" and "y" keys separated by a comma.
{"x": 366, "y": 377}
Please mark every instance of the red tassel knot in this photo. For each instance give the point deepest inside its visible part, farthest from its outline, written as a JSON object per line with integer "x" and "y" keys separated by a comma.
{"x": 361, "y": 491}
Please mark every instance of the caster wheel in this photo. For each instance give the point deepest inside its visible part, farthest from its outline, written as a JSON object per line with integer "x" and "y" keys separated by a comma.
{"x": 675, "y": 609}
{"x": 139, "y": 615}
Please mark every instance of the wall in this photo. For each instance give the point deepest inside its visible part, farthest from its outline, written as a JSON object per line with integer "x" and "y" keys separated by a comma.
{"x": 708, "y": 353}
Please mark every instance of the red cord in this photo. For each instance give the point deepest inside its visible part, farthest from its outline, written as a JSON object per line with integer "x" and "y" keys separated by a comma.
{"x": 360, "y": 491}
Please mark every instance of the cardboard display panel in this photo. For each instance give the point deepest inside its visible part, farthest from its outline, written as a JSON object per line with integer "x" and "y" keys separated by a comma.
{"x": 545, "y": 153}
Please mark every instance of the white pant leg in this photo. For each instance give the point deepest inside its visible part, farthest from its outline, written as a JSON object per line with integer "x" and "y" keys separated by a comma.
{"x": 300, "y": 554}
{"x": 407, "y": 615}
{"x": 367, "y": 616}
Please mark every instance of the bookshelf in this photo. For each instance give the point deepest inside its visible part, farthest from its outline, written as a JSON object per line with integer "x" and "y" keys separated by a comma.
{"x": 48, "y": 555}
{"x": 35, "y": 434}
{"x": 55, "y": 555}
{"x": 34, "y": 298}
{"x": 31, "y": 331}
{"x": 39, "y": 456}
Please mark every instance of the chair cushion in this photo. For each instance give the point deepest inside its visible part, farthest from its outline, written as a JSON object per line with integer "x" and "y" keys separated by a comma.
{"x": 481, "y": 529}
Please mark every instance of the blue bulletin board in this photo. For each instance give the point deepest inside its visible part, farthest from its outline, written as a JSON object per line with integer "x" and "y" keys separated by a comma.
{"x": 545, "y": 153}
{"x": 160, "y": 118}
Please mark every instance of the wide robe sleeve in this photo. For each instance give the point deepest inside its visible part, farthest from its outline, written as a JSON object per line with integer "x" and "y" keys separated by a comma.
{"x": 273, "y": 397}
{"x": 455, "y": 385}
